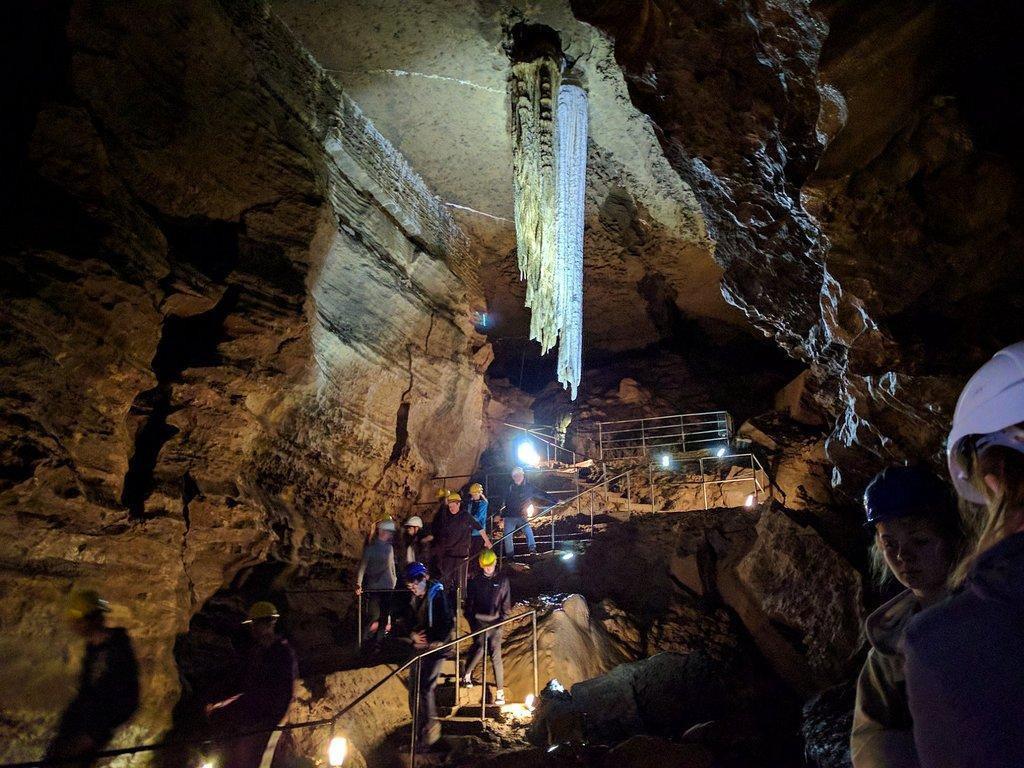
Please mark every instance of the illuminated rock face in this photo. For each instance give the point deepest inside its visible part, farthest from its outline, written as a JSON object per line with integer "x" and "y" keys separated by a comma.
{"x": 234, "y": 325}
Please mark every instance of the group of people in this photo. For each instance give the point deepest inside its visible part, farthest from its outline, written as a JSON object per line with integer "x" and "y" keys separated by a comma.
{"x": 943, "y": 683}
{"x": 454, "y": 556}
{"x": 247, "y": 706}
{"x": 942, "y": 686}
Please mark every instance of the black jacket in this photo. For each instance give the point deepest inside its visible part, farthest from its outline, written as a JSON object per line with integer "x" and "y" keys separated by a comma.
{"x": 267, "y": 685}
{"x": 519, "y": 497}
{"x": 488, "y": 598}
{"x": 108, "y": 691}
{"x": 452, "y": 534}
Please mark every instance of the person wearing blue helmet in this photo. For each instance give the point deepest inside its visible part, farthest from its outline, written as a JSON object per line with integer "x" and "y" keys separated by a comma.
{"x": 918, "y": 538}
{"x": 430, "y": 623}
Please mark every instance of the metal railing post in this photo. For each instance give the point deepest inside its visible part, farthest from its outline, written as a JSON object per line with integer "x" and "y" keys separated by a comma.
{"x": 682, "y": 432}
{"x": 483, "y": 687}
{"x": 650, "y": 480}
{"x": 536, "y": 683}
{"x": 415, "y": 716}
{"x": 458, "y": 673}
{"x": 600, "y": 442}
{"x": 592, "y": 516}
{"x": 704, "y": 483}
{"x": 359, "y": 622}
{"x": 629, "y": 495}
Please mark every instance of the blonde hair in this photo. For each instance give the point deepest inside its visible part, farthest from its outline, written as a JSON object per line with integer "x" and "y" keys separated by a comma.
{"x": 1004, "y": 510}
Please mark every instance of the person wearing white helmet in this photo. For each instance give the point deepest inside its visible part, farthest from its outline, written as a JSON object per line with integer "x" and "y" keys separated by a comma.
{"x": 412, "y": 547}
{"x": 964, "y": 658}
{"x": 377, "y": 576}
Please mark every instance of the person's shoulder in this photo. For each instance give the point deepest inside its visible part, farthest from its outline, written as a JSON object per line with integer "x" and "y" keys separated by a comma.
{"x": 938, "y": 628}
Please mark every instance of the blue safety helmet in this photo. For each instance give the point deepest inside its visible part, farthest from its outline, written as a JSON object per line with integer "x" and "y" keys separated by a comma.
{"x": 414, "y": 570}
{"x": 898, "y": 492}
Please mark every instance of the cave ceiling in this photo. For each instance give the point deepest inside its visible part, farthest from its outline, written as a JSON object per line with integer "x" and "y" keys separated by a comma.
{"x": 431, "y": 75}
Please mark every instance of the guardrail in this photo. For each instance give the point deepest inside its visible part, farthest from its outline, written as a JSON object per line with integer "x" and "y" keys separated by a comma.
{"x": 677, "y": 434}
{"x": 331, "y": 721}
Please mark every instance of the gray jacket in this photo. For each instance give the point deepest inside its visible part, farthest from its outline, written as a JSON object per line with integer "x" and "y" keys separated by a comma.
{"x": 883, "y": 735}
{"x": 377, "y": 568}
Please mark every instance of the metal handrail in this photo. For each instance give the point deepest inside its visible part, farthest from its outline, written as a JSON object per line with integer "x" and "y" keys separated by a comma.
{"x": 483, "y": 693}
{"x": 315, "y": 723}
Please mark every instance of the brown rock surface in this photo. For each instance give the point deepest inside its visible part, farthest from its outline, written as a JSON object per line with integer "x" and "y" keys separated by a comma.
{"x": 235, "y": 323}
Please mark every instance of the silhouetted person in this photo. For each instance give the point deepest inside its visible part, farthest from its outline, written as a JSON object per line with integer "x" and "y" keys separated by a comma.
{"x": 108, "y": 685}
{"x": 263, "y": 693}
{"x": 520, "y": 495}
{"x": 488, "y": 601}
{"x": 430, "y": 625}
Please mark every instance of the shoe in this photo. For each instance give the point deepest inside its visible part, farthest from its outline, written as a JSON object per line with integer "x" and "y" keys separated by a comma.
{"x": 499, "y": 698}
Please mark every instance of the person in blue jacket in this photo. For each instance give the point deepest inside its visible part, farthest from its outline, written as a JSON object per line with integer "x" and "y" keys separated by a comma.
{"x": 430, "y": 624}
{"x": 477, "y": 508}
{"x": 965, "y": 655}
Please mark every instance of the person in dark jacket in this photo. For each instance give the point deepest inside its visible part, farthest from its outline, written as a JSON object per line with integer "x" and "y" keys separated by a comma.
{"x": 108, "y": 685}
{"x": 263, "y": 694}
{"x": 411, "y": 547}
{"x": 520, "y": 496}
{"x": 919, "y": 537}
{"x": 964, "y": 663}
{"x": 453, "y": 533}
{"x": 430, "y": 624}
{"x": 488, "y": 601}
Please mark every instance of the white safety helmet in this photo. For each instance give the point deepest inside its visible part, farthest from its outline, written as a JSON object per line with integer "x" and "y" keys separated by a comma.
{"x": 386, "y": 525}
{"x": 414, "y": 520}
{"x": 992, "y": 401}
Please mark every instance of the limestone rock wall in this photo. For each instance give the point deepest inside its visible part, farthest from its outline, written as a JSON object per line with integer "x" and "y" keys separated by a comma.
{"x": 233, "y": 323}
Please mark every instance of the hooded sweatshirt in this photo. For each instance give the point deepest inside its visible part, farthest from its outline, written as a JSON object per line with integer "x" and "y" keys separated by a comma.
{"x": 882, "y": 734}
{"x": 965, "y": 667}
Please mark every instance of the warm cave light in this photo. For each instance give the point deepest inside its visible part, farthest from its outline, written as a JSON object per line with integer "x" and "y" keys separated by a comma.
{"x": 666, "y": 461}
{"x": 530, "y": 700}
{"x": 750, "y": 501}
{"x": 208, "y": 764}
{"x": 720, "y": 452}
{"x": 337, "y": 751}
{"x": 529, "y": 511}
{"x": 527, "y": 454}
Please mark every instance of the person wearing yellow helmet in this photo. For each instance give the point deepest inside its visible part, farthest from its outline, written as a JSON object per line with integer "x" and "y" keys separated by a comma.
{"x": 488, "y": 601}
{"x": 377, "y": 575}
{"x": 261, "y": 695}
{"x": 477, "y": 508}
{"x": 453, "y": 533}
{"x": 108, "y": 685}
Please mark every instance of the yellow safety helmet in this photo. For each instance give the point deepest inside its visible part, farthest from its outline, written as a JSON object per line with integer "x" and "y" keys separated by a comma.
{"x": 487, "y": 558}
{"x": 453, "y": 496}
{"x": 85, "y": 603}
{"x": 262, "y": 610}
{"x": 442, "y": 493}
{"x": 476, "y": 488}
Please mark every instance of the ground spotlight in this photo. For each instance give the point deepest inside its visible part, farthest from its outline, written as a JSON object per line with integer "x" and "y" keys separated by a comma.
{"x": 666, "y": 460}
{"x": 530, "y": 701}
{"x": 568, "y": 555}
{"x": 720, "y": 452}
{"x": 527, "y": 454}
{"x": 207, "y": 763}
{"x": 337, "y": 751}
{"x": 750, "y": 501}
{"x": 529, "y": 511}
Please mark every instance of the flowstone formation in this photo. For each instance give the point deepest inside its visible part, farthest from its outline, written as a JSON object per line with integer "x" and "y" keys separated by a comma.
{"x": 234, "y": 320}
